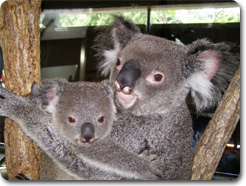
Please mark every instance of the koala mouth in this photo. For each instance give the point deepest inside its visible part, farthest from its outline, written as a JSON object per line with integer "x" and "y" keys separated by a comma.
{"x": 126, "y": 100}
{"x": 85, "y": 142}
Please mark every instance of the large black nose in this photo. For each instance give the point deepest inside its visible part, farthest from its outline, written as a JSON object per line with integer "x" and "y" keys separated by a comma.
{"x": 87, "y": 133}
{"x": 128, "y": 76}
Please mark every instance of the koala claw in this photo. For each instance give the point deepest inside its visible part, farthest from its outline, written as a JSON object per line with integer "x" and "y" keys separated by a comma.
{"x": 3, "y": 93}
{"x": 2, "y": 98}
{"x": 127, "y": 90}
{"x": 7, "y": 99}
{"x": 154, "y": 175}
{"x": 117, "y": 85}
{"x": 152, "y": 157}
{"x": 21, "y": 176}
{"x": 147, "y": 156}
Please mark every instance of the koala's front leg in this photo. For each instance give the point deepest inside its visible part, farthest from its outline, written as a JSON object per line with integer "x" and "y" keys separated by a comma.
{"x": 11, "y": 105}
{"x": 21, "y": 110}
{"x": 108, "y": 156}
{"x": 24, "y": 112}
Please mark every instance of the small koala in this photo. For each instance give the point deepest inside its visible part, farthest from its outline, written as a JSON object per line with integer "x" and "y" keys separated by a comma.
{"x": 153, "y": 77}
{"x": 73, "y": 128}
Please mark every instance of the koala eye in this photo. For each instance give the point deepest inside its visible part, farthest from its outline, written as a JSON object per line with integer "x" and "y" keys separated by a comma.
{"x": 155, "y": 78}
{"x": 118, "y": 62}
{"x": 71, "y": 120}
{"x": 101, "y": 119}
{"x": 158, "y": 77}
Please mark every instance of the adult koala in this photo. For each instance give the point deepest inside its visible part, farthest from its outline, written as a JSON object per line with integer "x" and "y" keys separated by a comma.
{"x": 153, "y": 77}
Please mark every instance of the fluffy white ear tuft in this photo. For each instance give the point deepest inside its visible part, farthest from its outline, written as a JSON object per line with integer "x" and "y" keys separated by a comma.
{"x": 112, "y": 41}
{"x": 52, "y": 99}
{"x": 201, "y": 90}
{"x": 208, "y": 68}
{"x": 110, "y": 57}
{"x": 50, "y": 92}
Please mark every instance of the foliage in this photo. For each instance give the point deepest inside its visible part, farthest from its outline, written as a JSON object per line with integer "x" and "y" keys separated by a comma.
{"x": 206, "y": 15}
{"x": 100, "y": 19}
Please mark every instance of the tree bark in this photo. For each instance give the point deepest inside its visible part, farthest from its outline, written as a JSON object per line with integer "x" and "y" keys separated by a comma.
{"x": 210, "y": 148}
{"x": 20, "y": 42}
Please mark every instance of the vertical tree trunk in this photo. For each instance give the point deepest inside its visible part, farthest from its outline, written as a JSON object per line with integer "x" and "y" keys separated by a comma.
{"x": 219, "y": 130}
{"x": 20, "y": 42}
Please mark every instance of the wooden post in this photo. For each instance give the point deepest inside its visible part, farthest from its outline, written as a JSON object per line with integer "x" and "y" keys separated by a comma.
{"x": 218, "y": 132}
{"x": 20, "y": 42}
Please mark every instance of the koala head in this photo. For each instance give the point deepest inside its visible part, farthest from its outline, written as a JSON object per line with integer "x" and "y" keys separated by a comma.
{"x": 82, "y": 112}
{"x": 153, "y": 75}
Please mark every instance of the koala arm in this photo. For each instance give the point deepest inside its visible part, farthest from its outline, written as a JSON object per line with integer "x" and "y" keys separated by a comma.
{"x": 78, "y": 162}
{"x": 114, "y": 159}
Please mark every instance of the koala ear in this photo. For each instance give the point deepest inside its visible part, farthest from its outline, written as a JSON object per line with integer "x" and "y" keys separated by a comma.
{"x": 108, "y": 88}
{"x": 35, "y": 88}
{"x": 113, "y": 40}
{"x": 50, "y": 92}
{"x": 34, "y": 94}
{"x": 123, "y": 31}
{"x": 209, "y": 68}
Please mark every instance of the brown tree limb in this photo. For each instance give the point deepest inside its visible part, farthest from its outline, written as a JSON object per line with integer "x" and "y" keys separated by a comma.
{"x": 210, "y": 148}
{"x": 20, "y": 42}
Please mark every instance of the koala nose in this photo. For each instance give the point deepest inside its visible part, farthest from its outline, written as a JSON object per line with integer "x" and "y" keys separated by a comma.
{"x": 127, "y": 77}
{"x": 126, "y": 90}
{"x": 87, "y": 133}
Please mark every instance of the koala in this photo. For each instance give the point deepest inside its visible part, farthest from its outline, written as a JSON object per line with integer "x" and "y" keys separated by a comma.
{"x": 152, "y": 78}
{"x": 71, "y": 122}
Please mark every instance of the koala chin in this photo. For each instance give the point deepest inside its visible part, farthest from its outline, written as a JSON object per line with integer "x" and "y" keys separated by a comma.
{"x": 126, "y": 100}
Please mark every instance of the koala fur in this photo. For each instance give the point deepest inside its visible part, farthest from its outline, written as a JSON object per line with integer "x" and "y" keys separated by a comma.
{"x": 81, "y": 146}
{"x": 152, "y": 78}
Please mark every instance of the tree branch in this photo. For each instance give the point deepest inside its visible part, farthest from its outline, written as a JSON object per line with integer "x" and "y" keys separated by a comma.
{"x": 20, "y": 42}
{"x": 210, "y": 148}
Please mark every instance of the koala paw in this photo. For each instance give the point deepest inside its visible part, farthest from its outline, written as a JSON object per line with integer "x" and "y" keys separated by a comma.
{"x": 147, "y": 156}
{"x": 21, "y": 176}
{"x": 7, "y": 100}
{"x": 152, "y": 173}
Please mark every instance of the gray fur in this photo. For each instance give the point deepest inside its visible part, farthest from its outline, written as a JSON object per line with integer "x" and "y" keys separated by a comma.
{"x": 167, "y": 136}
{"x": 158, "y": 111}
{"x": 101, "y": 160}
{"x": 158, "y": 119}
{"x": 106, "y": 45}
{"x": 183, "y": 66}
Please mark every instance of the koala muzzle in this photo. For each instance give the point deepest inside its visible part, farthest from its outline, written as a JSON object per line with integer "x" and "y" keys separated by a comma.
{"x": 127, "y": 77}
{"x": 87, "y": 133}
